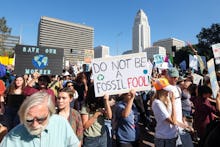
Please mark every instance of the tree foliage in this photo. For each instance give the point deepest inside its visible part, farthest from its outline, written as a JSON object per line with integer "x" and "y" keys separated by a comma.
{"x": 206, "y": 38}
{"x": 4, "y": 32}
{"x": 4, "y": 29}
{"x": 183, "y": 54}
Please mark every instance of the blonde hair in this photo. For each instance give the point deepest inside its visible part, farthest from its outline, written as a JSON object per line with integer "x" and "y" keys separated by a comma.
{"x": 34, "y": 100}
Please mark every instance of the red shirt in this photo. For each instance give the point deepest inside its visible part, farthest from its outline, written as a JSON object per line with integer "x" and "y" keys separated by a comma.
{"x": 30, "y": 90}
{"x": 203, "y": 114}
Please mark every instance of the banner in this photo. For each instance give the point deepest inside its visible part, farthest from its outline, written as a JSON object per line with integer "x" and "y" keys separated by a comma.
{"x": 213, "y": 79}
{"x": 44, "y": 60}
{"x": 119, "y": 74}
{"x": 216, "y": 52}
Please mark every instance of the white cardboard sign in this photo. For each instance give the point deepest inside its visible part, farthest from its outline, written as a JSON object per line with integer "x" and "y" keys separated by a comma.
{"x": 119, "y": 74}
{"x": 216, "y": 52}
{"x": 213, "y": 79}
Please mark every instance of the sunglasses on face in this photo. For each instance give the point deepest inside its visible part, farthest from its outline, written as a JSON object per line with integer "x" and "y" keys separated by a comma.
{"x": 40, "y": 120}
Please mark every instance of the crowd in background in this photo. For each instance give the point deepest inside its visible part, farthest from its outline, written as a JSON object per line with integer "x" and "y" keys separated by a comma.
{"x": 183, "y": 111}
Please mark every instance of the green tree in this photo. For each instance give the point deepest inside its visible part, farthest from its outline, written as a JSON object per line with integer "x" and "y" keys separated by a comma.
{"x": 183, "y": 54}
{"x": 4, "y": 32}
{"x": 206, "y": 38}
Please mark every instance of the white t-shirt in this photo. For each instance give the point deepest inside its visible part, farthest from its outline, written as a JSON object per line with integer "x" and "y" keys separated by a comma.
{"x": 163, "y": 129}
{"x": 178, "y": 103}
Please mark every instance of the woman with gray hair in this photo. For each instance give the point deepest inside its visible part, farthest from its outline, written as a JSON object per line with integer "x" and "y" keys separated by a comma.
{"x": 40, "y": 126}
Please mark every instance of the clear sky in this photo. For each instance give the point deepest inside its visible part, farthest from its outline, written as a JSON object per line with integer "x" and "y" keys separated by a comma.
{"x": 112, "y": 20}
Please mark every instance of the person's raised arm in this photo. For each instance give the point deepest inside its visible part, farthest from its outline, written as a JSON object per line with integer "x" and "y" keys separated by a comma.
{"x": 218, "y": 102}
{"x": 107, "y": 106}
{"x": 172, "y": 119}
{"x": 129, "y": 98}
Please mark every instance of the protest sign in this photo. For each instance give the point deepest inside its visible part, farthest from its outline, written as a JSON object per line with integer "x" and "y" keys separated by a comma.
{"x": 44, "y": 60}
{"x": 193, "y": 62}
{"x": 119, "y": 74}
{"x": 201, "y": 63}
{"x": 197, "y": 78}
{"x": 158, "y": 59}
{"x": 216, "y": 52}
{"x": 213, "y": 79}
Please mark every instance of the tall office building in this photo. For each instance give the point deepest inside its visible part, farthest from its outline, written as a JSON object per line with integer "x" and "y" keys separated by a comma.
{"x": 140, "y": 32}
{"x": 76, "y": 39}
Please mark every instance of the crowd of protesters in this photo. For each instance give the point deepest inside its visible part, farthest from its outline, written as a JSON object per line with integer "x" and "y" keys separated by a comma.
{"x": 184, "y": 111}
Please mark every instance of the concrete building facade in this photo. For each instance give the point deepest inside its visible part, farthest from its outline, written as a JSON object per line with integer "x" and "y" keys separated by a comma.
{"x": 151, "y": 51}
{"x": 140, "y": 32}
{"x": 168, "y": 43}
{"x": 77, "y": 40}
{"x": 8, "y": 42}
{"x": 101, "y": 51}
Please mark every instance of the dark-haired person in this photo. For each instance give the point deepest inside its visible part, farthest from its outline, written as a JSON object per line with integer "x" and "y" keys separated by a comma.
{"x": 204, "y": 110}
{"x": 70, "y": 85}
{"x": 93, "y": 114}
{"x": 14, "y": 97}
{"x": 81, "y": 87}
{"x": 127, "y": 118}
{"x": 39, "y": 83}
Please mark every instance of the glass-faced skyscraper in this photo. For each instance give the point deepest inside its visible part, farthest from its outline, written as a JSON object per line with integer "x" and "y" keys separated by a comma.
{"x": 140, "y": 32}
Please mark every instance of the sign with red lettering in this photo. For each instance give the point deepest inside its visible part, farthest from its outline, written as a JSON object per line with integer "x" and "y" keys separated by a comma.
{"x": 119, "y": 74}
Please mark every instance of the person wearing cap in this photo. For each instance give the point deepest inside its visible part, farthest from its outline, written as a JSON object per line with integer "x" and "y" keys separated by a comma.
{"x": 163, "y": 107}
{"x": 66, "y": 78}
{"x": 186, "y": 139}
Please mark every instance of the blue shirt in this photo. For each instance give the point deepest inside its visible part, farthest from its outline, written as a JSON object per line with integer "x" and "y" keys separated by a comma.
{"x": 127, "y": 129}
{"x": 58, "y": 133}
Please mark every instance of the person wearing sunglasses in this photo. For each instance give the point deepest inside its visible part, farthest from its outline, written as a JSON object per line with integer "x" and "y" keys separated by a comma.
{"x": 70, "y": 85}
{"x": 40, "y": 126}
